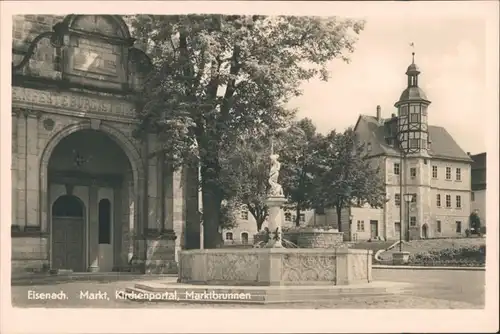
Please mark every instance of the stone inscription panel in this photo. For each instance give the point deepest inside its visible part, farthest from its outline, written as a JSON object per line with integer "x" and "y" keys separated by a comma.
{"x": 72, "y": 101}
{"x": 95, "y": 57}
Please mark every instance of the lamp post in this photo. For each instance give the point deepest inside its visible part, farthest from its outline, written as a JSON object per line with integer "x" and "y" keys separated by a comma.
{"x": 407, "y": 199}
{"x": 351, "y": 217}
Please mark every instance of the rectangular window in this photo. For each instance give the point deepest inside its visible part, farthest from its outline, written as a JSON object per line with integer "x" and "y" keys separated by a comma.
{"x": 361, "y": 226}
{"x": 413, "y": 172}
{"x": 448, "y": 173}
{"x": 414, "y": 118}
{"x": 458, "y": 174}
{"x": 413, "y": 221}
{"x": 294, "y": 217}
{"x": 396, "y": 168}
{"x": 448, "y": 201}
{"x": 302, "y": 217}
{"x": 244, "y": 215}
{"x": 397, "y": 227}
{"x": 434, "y": 172}
{"x": 414, "y": 198}
{"x": 414, "y": 143}
{"x": 438, "y": 200}
{"x": 288, "y": 216}
{"x": 472, "y": 196}
{"x": 438, "y": 226}
{"x": 458, "y": 201}
{"x": 397, "y": 199}
{"x": 458, "y": 226}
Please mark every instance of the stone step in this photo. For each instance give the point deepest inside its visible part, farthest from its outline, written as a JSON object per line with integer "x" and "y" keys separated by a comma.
{"x": 259, "y": 295}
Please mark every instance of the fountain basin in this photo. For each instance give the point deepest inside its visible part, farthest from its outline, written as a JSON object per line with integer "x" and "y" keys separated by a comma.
{"x": 275, "y": 266}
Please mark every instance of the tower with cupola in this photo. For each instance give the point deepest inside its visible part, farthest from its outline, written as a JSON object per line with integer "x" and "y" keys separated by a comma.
{"x": 412, "y": 115}
{"x": 414, "y": 143}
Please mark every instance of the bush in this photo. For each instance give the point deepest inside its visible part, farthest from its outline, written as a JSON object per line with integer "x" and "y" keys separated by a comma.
{"x": 463, "y": 256}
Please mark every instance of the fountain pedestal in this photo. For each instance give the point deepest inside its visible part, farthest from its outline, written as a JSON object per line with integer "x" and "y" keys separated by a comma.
{"x": 275, "y": 220}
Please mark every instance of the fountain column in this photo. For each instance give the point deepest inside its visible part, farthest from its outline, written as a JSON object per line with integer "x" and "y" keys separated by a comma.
{"x": 275, "y": 201}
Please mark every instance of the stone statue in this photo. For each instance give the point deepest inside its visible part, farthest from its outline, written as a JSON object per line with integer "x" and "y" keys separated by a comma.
{"x": 276, "y": 189}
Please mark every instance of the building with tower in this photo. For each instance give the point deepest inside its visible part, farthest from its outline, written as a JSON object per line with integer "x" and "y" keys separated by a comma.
{"x": 416, "y": 159}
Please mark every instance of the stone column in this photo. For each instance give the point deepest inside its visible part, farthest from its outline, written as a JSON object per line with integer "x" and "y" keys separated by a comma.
{"x": 175, "y": 218}
{"x": 32, "y": 172}
{"x": 21, "y": 170}
{"x": 14, "y": 200}
{"x": 93, "y": 230}
{"x": 275, "y": 220}
{"x": 152, "y": 185}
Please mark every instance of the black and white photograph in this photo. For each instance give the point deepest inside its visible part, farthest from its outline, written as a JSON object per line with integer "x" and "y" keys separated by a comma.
{"x": 250, "y": 157}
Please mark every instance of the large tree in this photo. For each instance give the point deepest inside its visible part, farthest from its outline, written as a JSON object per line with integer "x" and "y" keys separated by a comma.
{"x": 216, "y": 76}
{"x": 298, "y": 155}
{"x": 347, "y": 176}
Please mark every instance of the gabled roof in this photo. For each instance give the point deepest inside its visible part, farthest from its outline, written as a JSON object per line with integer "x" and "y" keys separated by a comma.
{"x": 442, "y": 143}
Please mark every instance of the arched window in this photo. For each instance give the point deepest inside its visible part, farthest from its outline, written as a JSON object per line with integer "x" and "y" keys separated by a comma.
{"x": 104, "y": 221}
{"x": 229, "y": 236}
{"x": 244, "y": 238}
{"x": 67, "y": 206}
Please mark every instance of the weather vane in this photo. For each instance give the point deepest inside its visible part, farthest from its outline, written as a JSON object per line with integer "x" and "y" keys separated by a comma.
{"x": 412, "y": 45}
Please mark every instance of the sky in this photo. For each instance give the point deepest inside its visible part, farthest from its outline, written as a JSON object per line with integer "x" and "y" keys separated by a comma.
{"x": 450, "y": 54}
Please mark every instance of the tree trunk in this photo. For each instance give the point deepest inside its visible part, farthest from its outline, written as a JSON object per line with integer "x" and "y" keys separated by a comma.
{"x": 338, "y": 208}
{"x": 211, "y": 217}
{"x": 212, "y": 200}
{"x": 260, "y": 221}
{"x": 297, "y": 215}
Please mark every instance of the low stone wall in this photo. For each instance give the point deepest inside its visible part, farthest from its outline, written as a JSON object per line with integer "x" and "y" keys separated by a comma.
{"x": 275, "y": 266}
{"x": 29, "y": 254}
{"x": 315, "y": 238}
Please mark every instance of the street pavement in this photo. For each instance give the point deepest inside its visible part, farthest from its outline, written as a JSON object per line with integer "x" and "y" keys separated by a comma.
{"x": 452, "y": 285}
{"x": 429, "y": 289}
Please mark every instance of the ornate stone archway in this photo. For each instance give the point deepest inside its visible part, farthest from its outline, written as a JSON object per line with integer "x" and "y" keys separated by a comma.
{"x": 117, "y": 136}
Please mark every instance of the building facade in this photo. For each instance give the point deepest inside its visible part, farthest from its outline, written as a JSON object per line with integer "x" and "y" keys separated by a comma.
{"x": 418, "y": 159}
{"x": 88, "y": 193}
{"x": 478, "y": 186}
{"x": 246, "y": 227}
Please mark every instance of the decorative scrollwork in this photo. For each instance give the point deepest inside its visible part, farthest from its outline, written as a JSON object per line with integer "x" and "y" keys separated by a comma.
{"x": 306, "y": 268}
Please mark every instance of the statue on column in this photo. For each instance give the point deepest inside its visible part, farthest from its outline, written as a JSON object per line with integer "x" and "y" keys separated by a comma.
{"x": 276, "y": 189}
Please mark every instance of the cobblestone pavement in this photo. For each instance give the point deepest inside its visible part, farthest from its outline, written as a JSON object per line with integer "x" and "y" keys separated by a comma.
{"x": 432, "y": 289}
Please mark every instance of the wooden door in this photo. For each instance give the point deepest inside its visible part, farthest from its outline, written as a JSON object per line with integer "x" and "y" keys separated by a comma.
{"x": 67, "y": 243}
{"x": 373, "y": 229}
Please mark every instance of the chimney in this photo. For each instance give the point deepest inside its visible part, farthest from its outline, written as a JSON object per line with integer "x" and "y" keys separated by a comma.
{"x": 393, "y": 115}
{"x": 379, "y": 113}
{"x": 468, "y": 153}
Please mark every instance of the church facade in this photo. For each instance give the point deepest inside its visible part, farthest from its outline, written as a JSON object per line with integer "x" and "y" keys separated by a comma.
{"x": 88, "y": 194}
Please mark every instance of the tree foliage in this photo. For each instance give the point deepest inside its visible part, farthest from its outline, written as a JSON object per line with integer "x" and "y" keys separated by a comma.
{"x": 475, "y": 221}
{"x": 245, "y": 174}
{"x": 346, "y": 175}
{"x": 298, "y": 156}
{"x": 216, "y": 76}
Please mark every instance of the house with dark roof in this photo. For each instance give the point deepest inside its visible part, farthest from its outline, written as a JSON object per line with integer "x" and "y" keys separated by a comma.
{"x": 419, "y": 160}
{"x": 478, "y": 185}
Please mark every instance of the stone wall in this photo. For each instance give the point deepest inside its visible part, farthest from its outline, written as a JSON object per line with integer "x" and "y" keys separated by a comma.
{"x": 315, "y": 238}
{"x": 29, "y": 254}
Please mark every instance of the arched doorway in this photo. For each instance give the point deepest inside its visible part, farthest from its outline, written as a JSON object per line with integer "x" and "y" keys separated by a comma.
{"x": 68, "y": 233}
{"x": 88, "y": 164}
{"x": 244, "y": 238}
{"x": 425, "y": 231}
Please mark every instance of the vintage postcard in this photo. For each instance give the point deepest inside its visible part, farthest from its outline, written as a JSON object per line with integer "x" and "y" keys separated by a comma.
{"x": 307, "y": 167}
